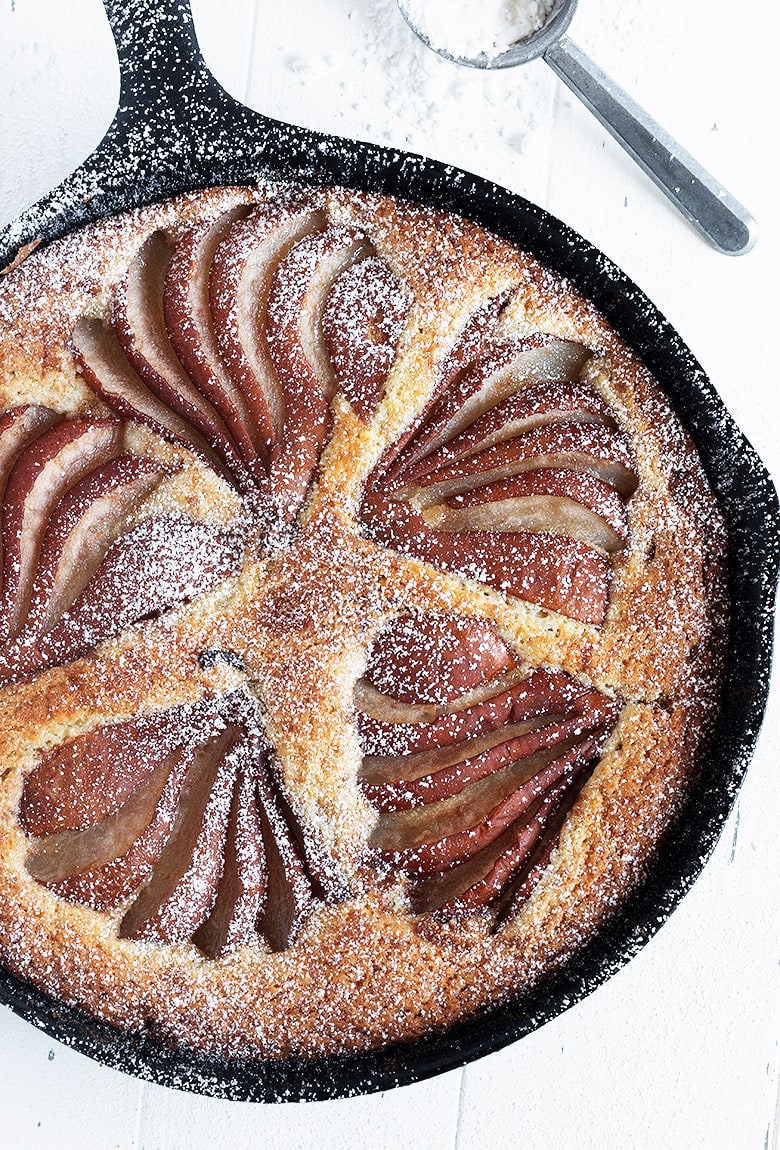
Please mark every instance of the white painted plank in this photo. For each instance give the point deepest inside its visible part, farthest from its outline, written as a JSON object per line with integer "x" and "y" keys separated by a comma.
{"x": 422, "y": 1116}
{"x": 59, "y": 85}
{"x": 224, "y": 32}
{"x": 53, "y": 1097}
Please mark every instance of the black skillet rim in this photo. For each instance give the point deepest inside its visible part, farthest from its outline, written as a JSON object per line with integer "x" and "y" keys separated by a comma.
{"x": 109, "y": 182}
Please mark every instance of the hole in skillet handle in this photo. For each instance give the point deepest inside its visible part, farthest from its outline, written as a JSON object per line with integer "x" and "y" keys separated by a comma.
{"x": 176, "y": 129}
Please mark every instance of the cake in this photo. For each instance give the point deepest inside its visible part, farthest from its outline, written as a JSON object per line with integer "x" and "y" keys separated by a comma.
{"x": 361, "y": 624}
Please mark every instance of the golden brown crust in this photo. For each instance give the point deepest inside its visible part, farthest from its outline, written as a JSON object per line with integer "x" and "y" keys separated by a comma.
{"x": 365, "y": 972}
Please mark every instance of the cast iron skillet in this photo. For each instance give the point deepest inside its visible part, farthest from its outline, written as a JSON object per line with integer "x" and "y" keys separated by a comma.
{"x": 176, "y": 129}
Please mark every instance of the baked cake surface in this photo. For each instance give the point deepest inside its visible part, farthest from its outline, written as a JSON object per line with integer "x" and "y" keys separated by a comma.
{"x": 361, "y": 620}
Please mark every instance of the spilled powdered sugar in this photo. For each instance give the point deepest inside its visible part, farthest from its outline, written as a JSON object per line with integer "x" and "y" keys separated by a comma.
{"x": 478, "y": 120}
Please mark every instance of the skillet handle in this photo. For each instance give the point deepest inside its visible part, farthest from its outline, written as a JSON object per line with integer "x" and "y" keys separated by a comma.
{"x": 160, "y": 62}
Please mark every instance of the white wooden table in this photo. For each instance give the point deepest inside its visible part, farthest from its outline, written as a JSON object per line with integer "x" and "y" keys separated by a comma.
{"x": 680, "y": 1049}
